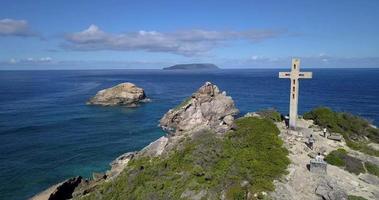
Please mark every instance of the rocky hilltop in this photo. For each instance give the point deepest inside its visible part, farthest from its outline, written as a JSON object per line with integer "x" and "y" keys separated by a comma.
{"x": 194, "y": 66}
{"x": 208, "y": 154}
{"x": 122, "y": 94}
{"x": 206, "y": 108}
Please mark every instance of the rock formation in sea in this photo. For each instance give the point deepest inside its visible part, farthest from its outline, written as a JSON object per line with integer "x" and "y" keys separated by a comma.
{"x": 206, "y": 108}
{"x": 122, "y": 94}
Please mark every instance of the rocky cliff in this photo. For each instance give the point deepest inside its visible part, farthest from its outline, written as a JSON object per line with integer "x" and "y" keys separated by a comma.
{"x": 206, "y": 108}
{"x": 123, "y": 94}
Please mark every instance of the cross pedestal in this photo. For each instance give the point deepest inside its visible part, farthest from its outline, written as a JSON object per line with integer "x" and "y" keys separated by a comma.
{"x": 294, "y": 75}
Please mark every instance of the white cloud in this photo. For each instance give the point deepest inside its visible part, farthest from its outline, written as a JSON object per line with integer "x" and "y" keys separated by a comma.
{"x": 188, "y": 43}
{"x": 317, "y": 61}
{"x": 49, "y": 63}
{"x": 30, "y": 60}
{"x": 12, "y": 27}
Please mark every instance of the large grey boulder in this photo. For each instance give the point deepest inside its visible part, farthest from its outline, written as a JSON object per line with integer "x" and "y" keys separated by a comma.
{"x": 206, "y": 108}
{"x": 328, "y": 189}
{"x": 370, "y": 179}
{"x": 122, "y": 94}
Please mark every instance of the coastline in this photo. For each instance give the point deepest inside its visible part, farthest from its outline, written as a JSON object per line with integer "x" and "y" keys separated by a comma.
{"x": 117, "y": 166}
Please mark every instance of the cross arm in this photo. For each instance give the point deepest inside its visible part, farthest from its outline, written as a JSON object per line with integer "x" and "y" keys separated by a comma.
{"x": 284, "y": 74}
{"x": 305, "y": 75}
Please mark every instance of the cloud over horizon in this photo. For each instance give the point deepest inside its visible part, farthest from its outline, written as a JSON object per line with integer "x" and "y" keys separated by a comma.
{"x": 186, "y": 43}
{"x": 317, "y": 61}
{"x": 13, "y": 27}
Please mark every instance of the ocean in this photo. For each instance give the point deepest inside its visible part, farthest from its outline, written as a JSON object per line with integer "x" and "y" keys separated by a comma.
{"x": 48, "y": 133}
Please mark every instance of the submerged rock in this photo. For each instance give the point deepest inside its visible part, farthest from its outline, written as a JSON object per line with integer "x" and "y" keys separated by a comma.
{"x": 122, "y": 94}
{"x": 206, "y": 108}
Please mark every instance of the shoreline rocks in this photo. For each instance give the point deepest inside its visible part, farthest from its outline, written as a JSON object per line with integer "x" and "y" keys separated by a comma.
{"x": 122, "y": 94}
{"x": 63, "y": 190}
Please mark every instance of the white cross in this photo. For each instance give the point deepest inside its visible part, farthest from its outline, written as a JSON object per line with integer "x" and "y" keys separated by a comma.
{"x": 294, "y": 75}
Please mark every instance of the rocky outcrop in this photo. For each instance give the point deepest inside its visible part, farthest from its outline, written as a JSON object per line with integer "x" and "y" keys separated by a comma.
{"x": 119, "y": 164}
{"x": 329, "y": 190}
{"x": 65, "y": 190}
{"x": 155, "y": 148}
{"x": 122, "y": 94}
{"x": 369, "y": 178}
{"x": 206, "y": 108}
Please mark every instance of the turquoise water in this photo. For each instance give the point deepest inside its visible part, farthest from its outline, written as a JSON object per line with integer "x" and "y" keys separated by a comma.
{"x": 48, "y": 134}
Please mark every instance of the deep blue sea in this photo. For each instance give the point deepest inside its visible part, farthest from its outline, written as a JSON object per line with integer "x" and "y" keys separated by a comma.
{"x": 48, "y": 133}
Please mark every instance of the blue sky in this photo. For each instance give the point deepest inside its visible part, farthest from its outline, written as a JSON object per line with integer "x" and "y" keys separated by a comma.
{"x": 154, "y": 34}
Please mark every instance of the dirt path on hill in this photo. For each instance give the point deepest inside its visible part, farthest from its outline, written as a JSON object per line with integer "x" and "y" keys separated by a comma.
{"x": 301, "y": 184}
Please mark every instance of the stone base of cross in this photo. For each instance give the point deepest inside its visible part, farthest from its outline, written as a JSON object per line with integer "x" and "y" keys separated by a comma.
{"x": 294, "y": 75}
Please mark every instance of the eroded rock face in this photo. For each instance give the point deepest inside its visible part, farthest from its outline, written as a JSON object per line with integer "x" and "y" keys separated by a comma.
{"x": 206, "y": 108}
{"x": 155, "y": 148}
{"x": 122, "y": 94}
{"x": 65, "y": 190}
{"x": 119, "y": 164}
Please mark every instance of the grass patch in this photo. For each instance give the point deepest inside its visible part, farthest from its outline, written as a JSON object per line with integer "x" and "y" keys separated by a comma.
{"x": 352, "y": 197}
{"x": 340, "y": 158}
{"x": 271, "y": 114}
{"x": 336, "y": 157}
{"x": 252, "y": 153}
{"x": 372, "y": 168}
{"x": 183, "y": 103}
{"x": 354, "y": 129}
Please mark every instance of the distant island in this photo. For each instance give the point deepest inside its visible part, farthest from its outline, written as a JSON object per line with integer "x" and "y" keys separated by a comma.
{"x": 193, "y": 66}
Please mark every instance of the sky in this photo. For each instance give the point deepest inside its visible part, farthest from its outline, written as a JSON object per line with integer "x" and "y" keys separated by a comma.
{"x": 91, "y": 34}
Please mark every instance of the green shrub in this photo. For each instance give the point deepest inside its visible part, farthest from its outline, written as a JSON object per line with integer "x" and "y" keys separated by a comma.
{"x": 236, "y": 192}
{"x": 183, "y": 103}
{"x": 352, "y": 197}
{"x": 271, "y": 114}
{"x": 353, "y": 128}
{"x": 340, "y": 158}
{"x": 336, "y": 157}
{"x": 372, "y": 168}
{"x": 252, "y": 153}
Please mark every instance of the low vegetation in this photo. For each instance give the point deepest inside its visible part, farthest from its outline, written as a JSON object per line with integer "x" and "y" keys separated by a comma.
{"x": 356, "y": 131}
{"x": 372, "y": 168}
{"x": 352, "y": 197}
{"x": 337, "y": 157}
{"x": 271, "y": 114}
{"x": 244, "y": 161}
{"x": 340, "y": 158}
{"x": 183, "y": 103}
